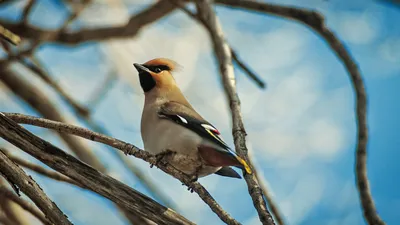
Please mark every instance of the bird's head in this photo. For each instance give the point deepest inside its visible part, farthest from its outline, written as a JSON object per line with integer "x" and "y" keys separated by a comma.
{"x": 156, "y": 73}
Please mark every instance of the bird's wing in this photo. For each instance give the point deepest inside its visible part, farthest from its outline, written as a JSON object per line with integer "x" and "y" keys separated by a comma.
{"x": 190, "y": 119}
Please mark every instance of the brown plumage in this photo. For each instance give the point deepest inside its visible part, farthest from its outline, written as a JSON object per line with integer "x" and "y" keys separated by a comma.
{"x": 169, "y": 122}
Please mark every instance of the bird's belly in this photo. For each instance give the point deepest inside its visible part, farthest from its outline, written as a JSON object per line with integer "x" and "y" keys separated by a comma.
{"x": 167, "y": 135}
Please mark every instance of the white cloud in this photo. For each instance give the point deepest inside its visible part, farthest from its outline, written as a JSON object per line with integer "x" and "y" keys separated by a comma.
{"x": 358, "y": 28}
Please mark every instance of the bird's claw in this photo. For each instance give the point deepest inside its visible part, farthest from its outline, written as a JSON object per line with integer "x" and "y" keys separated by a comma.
{"x": 160, "y": 157}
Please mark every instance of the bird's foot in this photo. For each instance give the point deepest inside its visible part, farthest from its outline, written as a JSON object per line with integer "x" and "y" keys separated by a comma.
{"x": 161, "y": 156}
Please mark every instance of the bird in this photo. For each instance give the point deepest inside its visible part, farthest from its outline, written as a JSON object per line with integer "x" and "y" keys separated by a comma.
{"x": 173, "y": 130}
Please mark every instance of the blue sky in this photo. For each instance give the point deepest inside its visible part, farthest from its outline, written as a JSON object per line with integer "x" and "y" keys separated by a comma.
{"x": 301, "y": 129}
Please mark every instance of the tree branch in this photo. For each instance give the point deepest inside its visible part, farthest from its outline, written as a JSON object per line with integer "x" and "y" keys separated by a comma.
{"x": 127, "y": 149}
{"x": 134, "y": 202}
{"x": 136, "y": 22}
{"x": 27, "y": 185}
{"x": 223, "y": 56}
{"x": 315, "y": 21}
{"x": 6, "y": 193}
{"x": 260, "y": 83}
{"x": 40, "y": 170}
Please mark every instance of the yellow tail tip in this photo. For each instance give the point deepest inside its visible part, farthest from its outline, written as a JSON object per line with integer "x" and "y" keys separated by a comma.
{"x": 246, "y": 166}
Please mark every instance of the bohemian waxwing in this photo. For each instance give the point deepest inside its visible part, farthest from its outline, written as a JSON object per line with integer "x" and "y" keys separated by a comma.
{"x": 171, "y": 125}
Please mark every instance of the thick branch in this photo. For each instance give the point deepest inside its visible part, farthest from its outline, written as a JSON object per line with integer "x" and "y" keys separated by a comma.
{"x": 223, "y": 56}
{"x": 127, "y": 149}
{"x": 45, "y": 106}
{"x": 136, "y": 22}
{"x": 131, "y": 200}
{"x": 315, "y": 21}
{"x": 6, "y": 193}
{"x": 27, "y": 185}
{"x": 40, "y": 170}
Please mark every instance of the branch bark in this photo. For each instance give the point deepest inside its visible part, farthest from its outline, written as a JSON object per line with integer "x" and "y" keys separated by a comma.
{"x": 315, "y": 21}
{"x": 223, "y": 55}
{"x": 27, "y": 185}
{"x": 134, "y": 202}
{"x": 40, "y": 170}
{"x": 127, "y": 149}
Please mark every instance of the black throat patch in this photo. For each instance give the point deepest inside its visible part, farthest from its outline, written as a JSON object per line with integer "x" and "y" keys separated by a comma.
{"x": 146, "y": 81}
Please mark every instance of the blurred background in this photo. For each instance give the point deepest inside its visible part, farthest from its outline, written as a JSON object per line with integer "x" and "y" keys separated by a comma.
{"x": 301, "y": 127}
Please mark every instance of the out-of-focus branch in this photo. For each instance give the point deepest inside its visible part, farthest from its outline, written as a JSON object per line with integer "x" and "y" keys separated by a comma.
{"x": 235, "y": 56}
{"x": 11, "y": 210}
{"x": 40, "y": 170}
{"x": 129, "y": 150}
{"x": 9, "y": 36}
{"x": 36, "y": 67}
{"x": 41, "y": 103}
{"x": 6, "y": 193}
{"x": 104, "y": 185}
{"x": 27, "y": 185}
{"x": 45, "y": 106}
{"x": 26, "y": 11}
{"x": 315, "y": 21}
{"x": 247, "y": 69}
{"x": 223, "y": 56}
{"x": 136, "y": 22}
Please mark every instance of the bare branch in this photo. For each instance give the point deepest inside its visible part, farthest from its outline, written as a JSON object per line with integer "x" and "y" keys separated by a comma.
{"x": 4, "y": 192}
{"x": 38, "y": 70}
{"x": 136, "y": 22}
{"x": 316, "y": 21}
{"x": 235, "y": 56}
{"x": 38, "y": 169}
{"x": 223, "y": 55}
{"x": 9, "y": 36}
{"x": 27, "y": 10}
{"x": 45, "y": 106}
{"x": 131, "y": 200}
{"x": 247, "y": 69}
{"x": 39, "y": 101}
{"x": 32, "y": 190}
{"x": 127, "y": 149}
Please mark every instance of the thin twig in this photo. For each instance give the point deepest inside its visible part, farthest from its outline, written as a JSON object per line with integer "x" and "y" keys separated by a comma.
{"x": 26, "y": 11}
{"x": 315, "y": 21}
{"x": 235, "y": 56}
{"x": 6, "y": 193}
{"x": 127, "y": 149}
{"x": 36, "y": 68}
{"x": 223, "y": 55}
{"x": 27, "y": 185}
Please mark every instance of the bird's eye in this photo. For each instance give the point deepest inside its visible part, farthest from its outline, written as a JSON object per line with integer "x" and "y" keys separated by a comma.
{"x": 157, "y": 70}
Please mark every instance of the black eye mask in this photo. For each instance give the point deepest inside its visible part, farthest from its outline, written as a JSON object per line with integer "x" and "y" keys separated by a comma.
{"x": 157, "y": 69}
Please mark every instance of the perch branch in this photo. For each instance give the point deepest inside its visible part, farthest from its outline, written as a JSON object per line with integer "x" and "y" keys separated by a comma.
{"x": 127, "y": 149}
{"x": 27, "y": 185}
{"x": 223, "y": 56}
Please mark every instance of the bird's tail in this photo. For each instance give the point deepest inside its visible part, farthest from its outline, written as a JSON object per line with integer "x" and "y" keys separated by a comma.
{"x": 243, "y": 165}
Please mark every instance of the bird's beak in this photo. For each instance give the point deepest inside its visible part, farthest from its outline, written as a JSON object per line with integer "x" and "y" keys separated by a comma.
{"x": 141, "y": 68}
